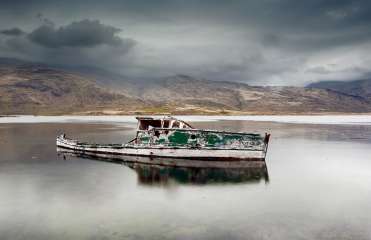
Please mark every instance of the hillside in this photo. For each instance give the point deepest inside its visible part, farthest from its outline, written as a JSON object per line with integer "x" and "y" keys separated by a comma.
{"x": 28, "y": 89}
{"x": 31, "y": 88}
{"x": 359, "y": 88}
{"x": 190, "y": 93}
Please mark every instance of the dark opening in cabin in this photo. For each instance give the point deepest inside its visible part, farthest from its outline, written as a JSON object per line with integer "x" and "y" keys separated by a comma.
{"x": 146, "y": 124}
{"x": 166, "y": 123}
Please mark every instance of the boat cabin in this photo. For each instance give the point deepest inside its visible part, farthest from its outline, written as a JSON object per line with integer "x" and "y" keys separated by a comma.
{"x": 148, "y": 123}
{"x": 169, "y": 132}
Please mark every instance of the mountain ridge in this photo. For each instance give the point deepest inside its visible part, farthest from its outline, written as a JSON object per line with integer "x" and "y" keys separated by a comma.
{"x": 34, "y": 88}
{"x": 359, "y": 88}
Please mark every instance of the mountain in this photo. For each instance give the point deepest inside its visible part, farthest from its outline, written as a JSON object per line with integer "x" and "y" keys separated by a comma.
{"x": 33, "y": 88}
{"x": 38, "y": 89}
{"x": 359, "y": 88}
{"x": 182, "y": 93}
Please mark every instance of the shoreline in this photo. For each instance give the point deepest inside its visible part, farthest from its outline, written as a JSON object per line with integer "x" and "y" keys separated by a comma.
{"x": 343, "y": 119}
{"x": 196, "y": 114}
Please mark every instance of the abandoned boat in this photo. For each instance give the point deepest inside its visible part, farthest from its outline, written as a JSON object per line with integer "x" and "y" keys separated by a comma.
{"x": 168, "y": 137}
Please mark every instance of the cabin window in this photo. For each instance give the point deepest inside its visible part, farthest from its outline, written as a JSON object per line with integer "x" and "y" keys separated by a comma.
{"x": 166, "y": 124}
{"x": 175, "y": 124}
{"x": 147, "y": 124}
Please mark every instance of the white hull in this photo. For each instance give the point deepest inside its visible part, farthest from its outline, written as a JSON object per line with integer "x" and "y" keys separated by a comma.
{"x": 163, "y": 161}
{"x": 184, "y": 153}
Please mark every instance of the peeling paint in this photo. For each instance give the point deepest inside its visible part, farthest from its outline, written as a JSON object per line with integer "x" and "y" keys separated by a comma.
{"x": 199, "y": 139}
{"x": 169, "y": 137}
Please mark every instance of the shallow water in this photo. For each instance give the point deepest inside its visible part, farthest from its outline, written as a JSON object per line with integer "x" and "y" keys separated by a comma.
{"x": 317, "y": 185}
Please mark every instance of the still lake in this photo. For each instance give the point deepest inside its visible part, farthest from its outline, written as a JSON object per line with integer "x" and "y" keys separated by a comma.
{"x": 316, "y": 185}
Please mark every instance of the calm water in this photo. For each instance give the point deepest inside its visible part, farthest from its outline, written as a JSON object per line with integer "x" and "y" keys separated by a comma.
{"x": 317, "y": 185}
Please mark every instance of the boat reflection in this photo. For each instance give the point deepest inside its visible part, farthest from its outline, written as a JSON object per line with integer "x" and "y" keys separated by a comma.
{"x": 164, "y": 175}
{"x": 166, "y": 171}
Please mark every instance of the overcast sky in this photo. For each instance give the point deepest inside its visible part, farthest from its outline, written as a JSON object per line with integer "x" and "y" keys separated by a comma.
{"x": 274, "y": 42}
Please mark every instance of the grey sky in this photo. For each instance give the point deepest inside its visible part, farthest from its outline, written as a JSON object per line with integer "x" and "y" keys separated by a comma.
{"x": 259, "y": 42}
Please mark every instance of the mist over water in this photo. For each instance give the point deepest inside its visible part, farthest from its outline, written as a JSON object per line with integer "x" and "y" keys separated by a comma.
{"x": 316, "y": 185}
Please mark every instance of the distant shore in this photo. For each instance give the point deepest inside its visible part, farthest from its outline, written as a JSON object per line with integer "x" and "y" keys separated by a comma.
{"x": 120, "y": 113}
{"x": 295, "y": 119}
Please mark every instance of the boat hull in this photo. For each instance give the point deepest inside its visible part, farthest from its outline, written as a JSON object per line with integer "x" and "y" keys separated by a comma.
{"x": 165, "y": 152}
{"x": 164, "y": 171}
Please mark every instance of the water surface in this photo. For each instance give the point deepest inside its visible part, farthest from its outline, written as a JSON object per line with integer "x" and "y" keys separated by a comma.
{"x": 316, "y": 185}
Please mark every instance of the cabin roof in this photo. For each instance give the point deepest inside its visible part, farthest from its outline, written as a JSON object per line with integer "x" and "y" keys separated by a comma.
{"x": 157, "y": 118}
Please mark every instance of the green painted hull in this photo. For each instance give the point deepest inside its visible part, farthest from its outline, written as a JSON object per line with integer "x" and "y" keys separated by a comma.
{"x": 195, "y": 138}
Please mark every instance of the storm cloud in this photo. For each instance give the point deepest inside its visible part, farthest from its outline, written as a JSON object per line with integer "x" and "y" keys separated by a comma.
{"x": 258, "y": 42}
{"x": 84, "y": 42}
{"x": 85, "y": 33}
{"x": 12, "y": 32}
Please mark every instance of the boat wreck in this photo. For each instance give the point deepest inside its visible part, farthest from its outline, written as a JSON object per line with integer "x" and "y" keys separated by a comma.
{"x": 168, "y": 137}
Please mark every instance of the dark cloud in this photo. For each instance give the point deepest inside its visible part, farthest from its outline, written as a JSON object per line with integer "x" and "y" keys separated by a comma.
{"x": 86, "y": 42}
{"x": 12, "y": 32}
{"x": 295, "y": 41}
{"x": 85, "y": 33}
